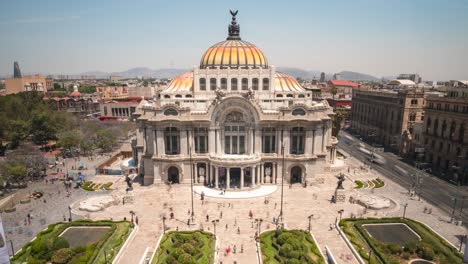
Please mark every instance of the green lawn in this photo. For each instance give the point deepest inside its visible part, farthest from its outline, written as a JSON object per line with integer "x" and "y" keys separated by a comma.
{"x": 430, "y": 247}
{"x": 289, "y": 246}
{"x": 49, "y": 247}
{"x": 186, "y": 247}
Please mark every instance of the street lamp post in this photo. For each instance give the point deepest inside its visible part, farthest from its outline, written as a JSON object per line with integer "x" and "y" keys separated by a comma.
{"x": 454, "y": 204}
{"x": 310, "y": 218}
{"x": 259, "y": 223}
{"x": 404, "y": 209}
{"x": 191, "y": 181}
{"x": 12, "y": 249}
{"x": 69, "y": 214}
{"x": 164, "y": 224}
{"x": 132, "y": 214}
{"x": 214, "y": 225}
{"x": 282, "y": 178}
{"x": 341, "y": 213}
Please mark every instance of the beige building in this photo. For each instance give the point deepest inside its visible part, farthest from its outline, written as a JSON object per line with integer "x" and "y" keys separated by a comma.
{"x": 234, "y": 122}
{"x": 446, "y": 134}
{"x": 28, "y": 83}
{"x": 387, "y": 117}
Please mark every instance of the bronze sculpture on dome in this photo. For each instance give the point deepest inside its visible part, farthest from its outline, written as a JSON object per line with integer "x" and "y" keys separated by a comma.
{"x": 234, "y": 28}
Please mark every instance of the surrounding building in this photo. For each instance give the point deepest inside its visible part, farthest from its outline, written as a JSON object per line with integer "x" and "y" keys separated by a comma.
{"x": 20, "y": 83}
{"x": 123, "y": 109}
{"x": 112, "y": 92}
{"x": 387, "y": 117}
{"x": 343, "y": 87}
{"x": 410, "y": 76}
{"x": 446, "y": 134}
{"x": 234, "y": 122}
{"x": 401, "y": 84}
{"x": 75, "y": 103}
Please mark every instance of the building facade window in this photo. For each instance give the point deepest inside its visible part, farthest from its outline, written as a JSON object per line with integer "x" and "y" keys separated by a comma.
{"x": 172, "y": 140}
{"x": 461, "y": 133}
{"x": 234, "y": 139}
{"x": 269, "y": 140}
{"x": 224, "y": 83}
{"x": 234, "y": 84}
{"x": 201, "y": 139}
{"x": 297, "y": 140}
{"x": 255, "y": 84}
{"x": 203, "y": 84}
{"x": 266, "y": 84}
{"x": 213, "y": 84}
{"x": 245, "y": 84}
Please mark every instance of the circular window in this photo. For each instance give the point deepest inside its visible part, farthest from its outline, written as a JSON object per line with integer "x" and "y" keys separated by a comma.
{"x": 171, "y": 111}
{"x": 298, "y": 111}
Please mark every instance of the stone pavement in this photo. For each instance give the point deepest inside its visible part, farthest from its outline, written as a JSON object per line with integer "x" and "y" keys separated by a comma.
{"x": 260, "y": 191}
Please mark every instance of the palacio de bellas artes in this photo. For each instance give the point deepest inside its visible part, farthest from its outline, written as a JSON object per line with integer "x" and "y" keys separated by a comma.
{"x": 234, "y": 122}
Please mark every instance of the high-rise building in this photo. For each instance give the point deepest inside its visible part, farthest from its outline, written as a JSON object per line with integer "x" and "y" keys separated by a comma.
{"x": 322, "y": 77}
{"x": 16, "y": 70}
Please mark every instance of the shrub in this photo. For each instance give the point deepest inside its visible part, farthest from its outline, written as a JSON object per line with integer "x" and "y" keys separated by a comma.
{"x": 359, "y": 184}
{"x": 62, "y": 256}
{"x": 281, "y": 239}
{"x": 405, "y": 255}
{"x": 394, "y": 249}
{"x": 188, "y": 248}
{"x": 60, "y": 242}
{"x": 186, "y": 259}
{"x": 285, "y": 250}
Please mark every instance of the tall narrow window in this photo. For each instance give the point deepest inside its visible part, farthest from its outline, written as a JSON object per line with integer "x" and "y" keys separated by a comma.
{"x": 266, "y": 84}
{"x": 269, "y": 140}
{"x": 255, "y": 84}
{"x": 245, "y": 84}
{"x": 213, "y": 84}
{"x": 203, "y": 84}
{"x": 234, "y": 84}
{"x": 297, "y": 140}
{"x": 224, "y": 83}
{"x": 200, "y": 135}
{"x": 172, "y": 140}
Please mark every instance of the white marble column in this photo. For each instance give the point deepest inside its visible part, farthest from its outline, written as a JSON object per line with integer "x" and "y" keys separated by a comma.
{"x": 145, "y": 141}
{"x": 216, "y": 175}
{"x": 308, "y": 141}
{"x": 258, "y": 140}
{"x": 275, "y": 172}
{"x": 313, "y": 141}
{"x": 262, "y": 174}
{"x": 211, "y": 141}
{"x": 242, "y": 178}
{"x": 183, "y": 142}
{"x": 323, "y": 139}
{"x": 252, "y": 175}
{"x": 286, "y": 141}
{"x": 228, "y": 178}
{"x": 219, "y": 147}
{"x": 160, "y": 139}
{"x": 155, "y": 142}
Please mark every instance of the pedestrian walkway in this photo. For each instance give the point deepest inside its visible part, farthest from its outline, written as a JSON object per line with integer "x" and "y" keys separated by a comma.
{"x": 252, "y": 193}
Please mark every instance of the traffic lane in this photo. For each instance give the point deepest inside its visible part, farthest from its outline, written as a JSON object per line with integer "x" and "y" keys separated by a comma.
{"x": 432, "y": 191}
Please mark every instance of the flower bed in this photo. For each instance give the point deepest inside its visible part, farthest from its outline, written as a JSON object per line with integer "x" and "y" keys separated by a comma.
{"x": 186, "y": 247}
{"x": 50, "y": 247}
{"x": 431, "y": 246}
{"x": 289, "y": 246}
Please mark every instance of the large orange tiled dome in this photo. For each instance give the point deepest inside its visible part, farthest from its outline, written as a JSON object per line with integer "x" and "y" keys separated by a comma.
{"x": 233, "y": 54}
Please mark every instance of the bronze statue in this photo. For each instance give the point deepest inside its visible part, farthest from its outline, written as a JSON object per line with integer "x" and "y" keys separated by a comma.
{"x": 341, "y": 179}
{"x": 234, "y": 28}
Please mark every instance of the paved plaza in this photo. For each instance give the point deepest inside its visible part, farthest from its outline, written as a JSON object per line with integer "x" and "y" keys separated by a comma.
{"x": 153, "y": 202}
{"x": 235, "y": 227}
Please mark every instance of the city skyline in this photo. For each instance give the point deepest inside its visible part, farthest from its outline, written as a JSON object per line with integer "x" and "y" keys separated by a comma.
{"x": 380, "y": 39}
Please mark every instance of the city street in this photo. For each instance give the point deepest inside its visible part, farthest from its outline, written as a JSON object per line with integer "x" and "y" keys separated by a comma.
{"x": 434, "y": 190}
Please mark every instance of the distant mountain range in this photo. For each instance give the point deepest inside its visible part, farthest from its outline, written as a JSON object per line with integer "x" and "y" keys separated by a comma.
{"x": 171, "y": 73}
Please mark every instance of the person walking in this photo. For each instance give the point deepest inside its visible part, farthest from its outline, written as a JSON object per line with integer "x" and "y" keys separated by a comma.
{"x": 250, "y": 214}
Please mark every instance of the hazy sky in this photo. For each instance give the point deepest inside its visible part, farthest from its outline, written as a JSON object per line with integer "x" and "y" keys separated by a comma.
{"x": 378, "y": 37}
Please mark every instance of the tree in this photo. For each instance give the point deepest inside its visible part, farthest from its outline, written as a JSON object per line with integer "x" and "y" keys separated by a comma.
{"x": 58, "y": 87}
{"x": 145, "y": 83}
{"x": 42, "y": 130}
{"x": 337, "y": 120}
{"x": 105, "y": 140}
{"x": 334, "y": 91}
{"x": 70, "y": 139}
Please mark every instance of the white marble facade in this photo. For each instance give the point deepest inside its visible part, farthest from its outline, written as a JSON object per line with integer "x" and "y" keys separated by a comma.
{"x": 227, "y": 122}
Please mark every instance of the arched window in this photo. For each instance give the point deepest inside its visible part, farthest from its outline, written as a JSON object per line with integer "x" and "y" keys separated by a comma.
{"x": 200, "y": 136}
{"x": 300, "y": 96}
{"x": 298, "y": 111}
{"x": 234, "y": 133}
{"x": 245, "y": 83}
{"x": 279, "y": 95}
{"x": 269, "y": 140}
{"x": 188, "y": 96}
{"x": 453, "y": 125}
{"x": 461, "y": 133}
{"x": 224, "y": 83}
{"x": 428, "y": 124}
{"x": 289, "y": 95}
{"x": 444, "y": 128}
{"x": 167, "y": 96}
{"x": 436, "y": 127}
{"x": 254, "y": 84}
{"x": 203, "y": 84}
{"x": 297, "y": 140}
{"x": 234, "y": 84}
{"x": 178, "y": 96}
{"x": 266, "y": 84}
{"x": 172, "y": 140}
{"x": 412, "y": 117}
{"x": 171, "y": 111}
{"x": 213, "y": 84}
